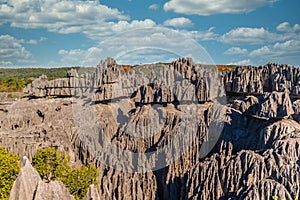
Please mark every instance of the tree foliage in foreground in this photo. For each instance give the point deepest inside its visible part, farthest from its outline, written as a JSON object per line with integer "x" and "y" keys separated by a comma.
{"x": 52, "y": 164}
{"x": 9, "y": 169}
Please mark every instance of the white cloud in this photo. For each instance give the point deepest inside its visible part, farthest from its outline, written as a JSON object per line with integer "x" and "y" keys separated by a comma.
{"x": 31, "y": 42}
{"x": 174, "y": 42}
{"x": 290, "y": 45}
{"x": 260, "y": 52}
{"x": 211, "y": 7}
{"x": 92, "y": 56}
{"x": 73, "y": 52}
{"x": 140, "y": 46}
{"x": 245, "y": 35}
{"x": 6, "y": 63}
{"x": 62, "y": 16}
{"x": 109, "y": 29}
{"x": 91, "y": 18}
{"x": 241, "y": 62}
{"x": 283, "y": 52}
{"x": 287, "y": 48}
{"x": 154, "y": 7}
{"x": 101, "y": 24}
{"x": 202, "y": 35}
{"x": 285, "y": 27}
{"x": 179, "y": 22}
{"x": 12, "y": 52}
{"x": 296, "y": 27}
{"x": 73, "y": 57}
{"x": 235, "y": 51}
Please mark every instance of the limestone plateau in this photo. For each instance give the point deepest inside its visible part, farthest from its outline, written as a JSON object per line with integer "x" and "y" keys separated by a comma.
{"x": 240, "y": 128}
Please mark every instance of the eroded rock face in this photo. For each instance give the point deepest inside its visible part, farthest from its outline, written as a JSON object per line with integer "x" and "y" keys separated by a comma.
{"x": 30, "y": 125}
{"x": 181, "y": 80}
{"x": 25, "y": 185}
{"x": 275, "y": 105}
{"x": 257, "y": 80}
{"x": 52, "y": 191}
{"x": 241, "y": 149}
{"x": 296, "y": 107}
{"x": 92, "y": 194}
{"x": 281, "y": 130}
{"x": 266, "y": 189}
{"x": 30, "y": 186}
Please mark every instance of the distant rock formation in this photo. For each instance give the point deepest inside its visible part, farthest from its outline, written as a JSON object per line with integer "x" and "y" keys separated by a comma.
{"x": 181, "y": 80}
{"x": 257, "y": 80}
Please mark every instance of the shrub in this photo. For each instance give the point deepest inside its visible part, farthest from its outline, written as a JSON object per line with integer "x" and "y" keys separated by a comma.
{"x": 47, "y": 161}
{"x": 52, "y": 164}
{"x": 9, "y": 169}
{"x": 78, "y": 180}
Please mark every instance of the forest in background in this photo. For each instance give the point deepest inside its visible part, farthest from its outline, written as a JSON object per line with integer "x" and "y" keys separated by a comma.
{"x": 15, "y": 79}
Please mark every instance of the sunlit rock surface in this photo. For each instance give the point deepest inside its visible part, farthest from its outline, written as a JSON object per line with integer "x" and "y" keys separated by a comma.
{"x": 171, "y": 131}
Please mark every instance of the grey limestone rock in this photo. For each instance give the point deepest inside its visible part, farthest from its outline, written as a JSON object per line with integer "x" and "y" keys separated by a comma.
{"x": 25, "y": 185}
{"x": 52, "y": 191}
{"x": 257, "y": 80}
{"x": 92, "y": 194}
{"x": 266, "y": 189}
{"x": 150, "y": 107}
{"x": 275, "y": 105}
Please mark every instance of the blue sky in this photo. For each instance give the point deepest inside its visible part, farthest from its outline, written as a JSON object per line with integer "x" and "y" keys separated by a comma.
{"x": 52, "y": 33}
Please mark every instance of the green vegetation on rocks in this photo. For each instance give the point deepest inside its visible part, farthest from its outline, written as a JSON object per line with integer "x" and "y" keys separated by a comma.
{"x": 52, "y": 164}
{"x": 9, "y": 169}
{"x": 47, "y": 161}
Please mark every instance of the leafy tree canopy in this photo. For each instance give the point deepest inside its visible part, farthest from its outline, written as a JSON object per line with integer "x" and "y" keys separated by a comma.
{"x": 52, "y": 164}
{"x": 9, "y": 169}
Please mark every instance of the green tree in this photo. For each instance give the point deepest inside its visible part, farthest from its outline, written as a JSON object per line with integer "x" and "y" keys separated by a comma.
{"x": 9, "y": 169}
{"x": 78, "y": 180}
{"x": 47, "y": 161}
{"x": 52, "y": 164}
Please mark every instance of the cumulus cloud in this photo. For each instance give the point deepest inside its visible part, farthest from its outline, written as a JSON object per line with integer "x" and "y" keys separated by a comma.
{"x": 179, "y": 22}
{"x": 154, "y": 7}
{"x": 32, "y": 42}
{"x": 296, "y": 27}
{"x": 211, "y": 7}
{"x": 91, "y": 18}
{"x": 6, "y": 63}
{"x": 260, "y": 51}
{"x": 241, "y": 62}
{"x": 245, "y": 35}
{"x": 290, "y": 47}
{"x": 101, "y": 24}
{"x": 287, "y": 51}
{"x": 140, "y": 46}
{"x": 62, "y": 16}
{"x": 72, "y": 57}
{"x": 285, "y": 27}
{"x": 202, "y": 35}
{"x": 99, "y": 33}
{"x": 235, "y": 51}
{"x": 12, "y": 52}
